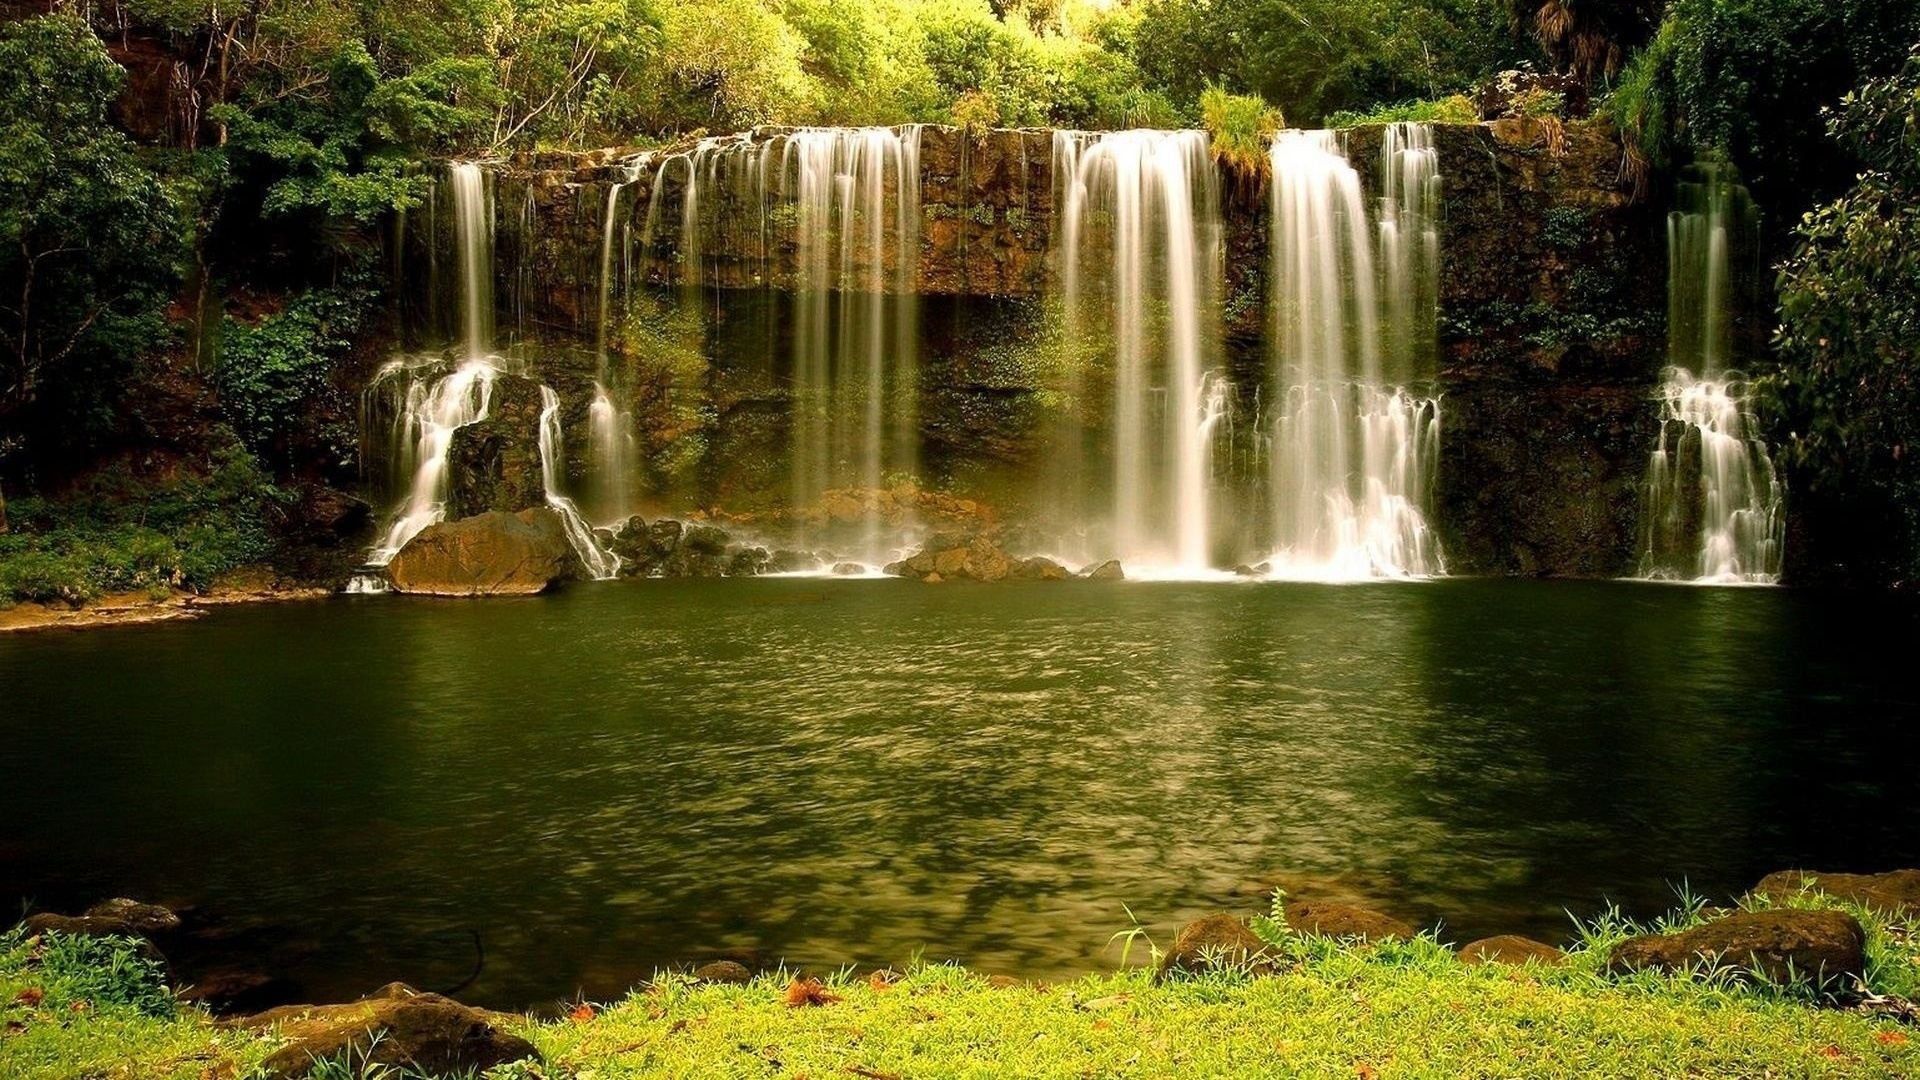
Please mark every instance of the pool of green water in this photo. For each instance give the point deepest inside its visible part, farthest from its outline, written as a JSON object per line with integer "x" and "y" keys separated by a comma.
{"x": 630, "y": 775}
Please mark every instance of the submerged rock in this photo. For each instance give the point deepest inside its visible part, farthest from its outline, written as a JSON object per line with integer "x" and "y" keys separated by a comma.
{"x": 1215, "y": 941}
{"x": 491, "y": 554}
{"x": 1780, "y": 945}
{"x": 1895, "y": 893}
{"x": 1510, "y": 949}
{"x": 1111, "y": 570}
{"x": 397, "y": 1026}
{"x": 137, "y": 917}
{"x": 849, "y": 569}
{"x": 1336, "y": 920}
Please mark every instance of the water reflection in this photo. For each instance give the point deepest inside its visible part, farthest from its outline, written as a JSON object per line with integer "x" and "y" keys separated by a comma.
{"x": 633, "y": 775}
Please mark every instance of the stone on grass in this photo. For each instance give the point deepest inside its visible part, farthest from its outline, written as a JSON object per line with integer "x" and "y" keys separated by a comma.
{"x": 1823, "y": 946}
{"x": 723, "y": 971}
{"x": 397, "y": 1026}
{"x": 1216, "y": 941}
{"x": 1895, "y": 893}
{"x": 1510, "y": 949}
{"x": 1335, "y": 920}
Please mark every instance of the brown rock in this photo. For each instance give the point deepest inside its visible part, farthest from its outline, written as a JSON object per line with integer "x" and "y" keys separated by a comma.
{"x": 396, "y": 1026}
{"x": 723, "y": 971}
{"x": 1821, "y": 945}
{"x": 1334, "y": 920}
{"x": 137, "y": 917}
{"x": 1215, "y": 941}
{"x": 1110, "y": 570}
{"x": 1895, "y": 893}
{"x": 491, "y": 554}
{"x": 1510, "y": 949}
{"x": 88, "y": 926}
{"x": 1039, "y": 568}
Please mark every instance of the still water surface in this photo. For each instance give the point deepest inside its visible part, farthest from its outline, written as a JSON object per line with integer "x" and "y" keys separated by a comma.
{"x": 632, "y": 775}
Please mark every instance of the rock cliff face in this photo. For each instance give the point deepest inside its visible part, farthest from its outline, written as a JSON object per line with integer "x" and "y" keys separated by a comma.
{"x": 1551, "y": 336}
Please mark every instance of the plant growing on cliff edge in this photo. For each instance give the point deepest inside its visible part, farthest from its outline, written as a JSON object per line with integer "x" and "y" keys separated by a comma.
{"x": 1239, "y": 126}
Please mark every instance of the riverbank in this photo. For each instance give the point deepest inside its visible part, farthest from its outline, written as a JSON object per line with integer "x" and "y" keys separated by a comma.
{"x": 259, "y": 586}
{"x": 1306, "y": 1005}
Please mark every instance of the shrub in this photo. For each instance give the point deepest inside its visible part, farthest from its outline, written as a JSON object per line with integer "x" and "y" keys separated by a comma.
{"x": 1847, "y": 381}
{"x": 1239, "y": 125}
{"x": 1455, "y": 109}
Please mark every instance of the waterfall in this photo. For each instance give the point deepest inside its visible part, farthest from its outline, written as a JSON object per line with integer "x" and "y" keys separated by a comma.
{"x": 435, "y": 405}
{"x": 850, "y": 198}
{"x": 1154, "y": 279}
{"x": 1354, "y": 448}
{"x": 600, "y": 563}
{"x": 1712, "y": 508}
{"x": 855, "y": 363}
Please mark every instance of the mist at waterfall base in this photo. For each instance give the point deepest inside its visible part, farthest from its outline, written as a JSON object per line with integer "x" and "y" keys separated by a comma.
{"x": 607, "y": 780}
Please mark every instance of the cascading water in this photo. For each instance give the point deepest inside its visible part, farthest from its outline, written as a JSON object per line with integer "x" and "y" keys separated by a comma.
{"x": 436, "y": 403}
{"x": 600, "y": 563}
{"x": 854, "y": 199}
{"x": 855, "y": 370}
{"x": 1354, "y": 449}
{"x": 1712, "y": 506}
{"x": 1155, "y": 280}
{"x": 430, "y": 404}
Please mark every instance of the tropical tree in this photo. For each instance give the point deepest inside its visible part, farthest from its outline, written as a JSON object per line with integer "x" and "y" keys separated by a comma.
{"x": 1847, "y": 386}
{"x": 89, "y": 235}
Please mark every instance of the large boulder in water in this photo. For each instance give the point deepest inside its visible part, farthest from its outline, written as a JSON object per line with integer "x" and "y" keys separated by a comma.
{"x": 397, "y": 1026}
{"x": 491, "y": 554}
{"x": 1895, "y": 893}
{"x": 1823, "y": 946}
{"x": 494, "y": 464}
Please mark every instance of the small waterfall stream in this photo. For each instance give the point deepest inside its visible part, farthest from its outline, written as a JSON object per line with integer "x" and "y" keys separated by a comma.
{"x": 600, "y": 563}
{"x": 1712, "y": 506}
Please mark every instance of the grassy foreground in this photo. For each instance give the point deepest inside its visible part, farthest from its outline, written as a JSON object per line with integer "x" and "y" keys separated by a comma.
{"x": 94, "y": 1008}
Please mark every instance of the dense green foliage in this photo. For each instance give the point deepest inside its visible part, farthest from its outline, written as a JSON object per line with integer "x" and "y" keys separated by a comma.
{"x": 1847, "y": 387}
{"x": 272, "y": 371}
{"x": 118, "y": 533}
{"x": 1314, "y": 57}
{"x": 89, "y": 234}
{"x": 1748, "y": 79}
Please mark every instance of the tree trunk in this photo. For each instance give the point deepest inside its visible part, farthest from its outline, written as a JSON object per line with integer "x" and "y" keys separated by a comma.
{"x": 3, "y": 512}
